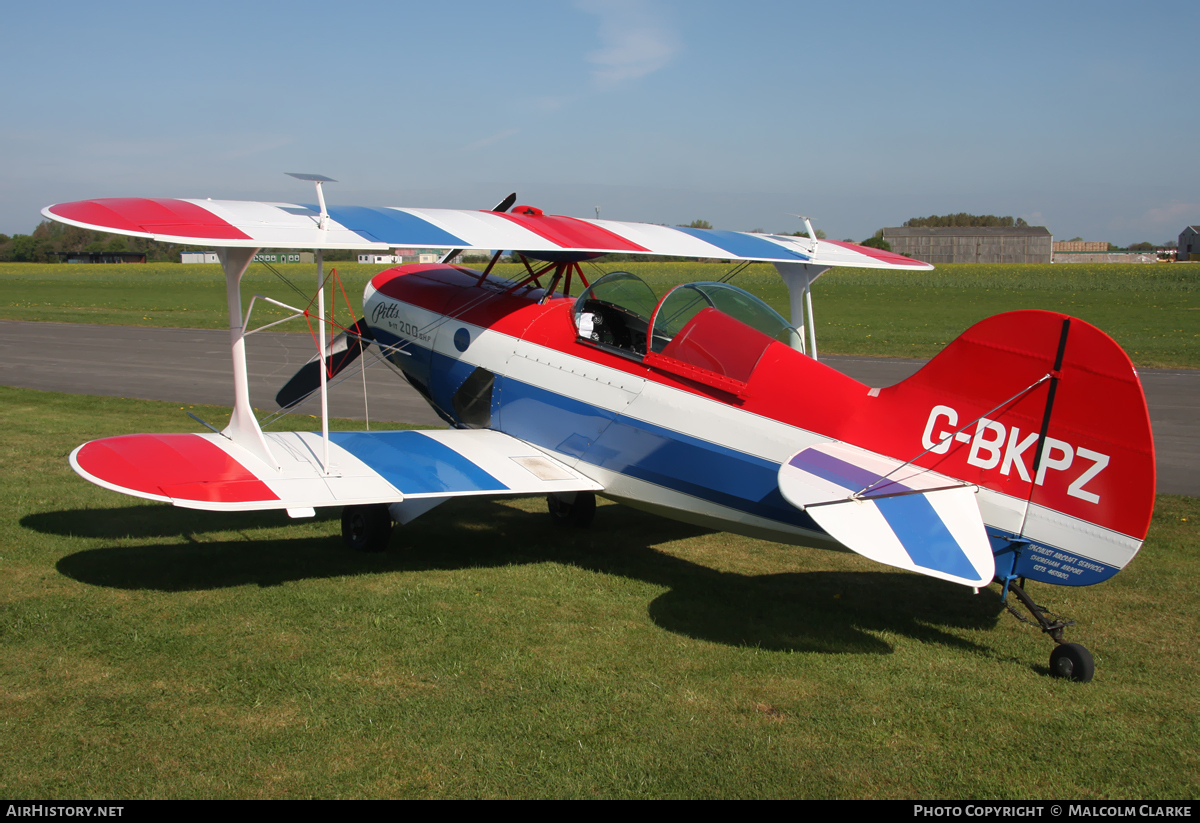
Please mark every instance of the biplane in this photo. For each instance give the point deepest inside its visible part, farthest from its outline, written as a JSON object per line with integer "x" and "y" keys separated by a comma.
{"x": 1022, "y": 451}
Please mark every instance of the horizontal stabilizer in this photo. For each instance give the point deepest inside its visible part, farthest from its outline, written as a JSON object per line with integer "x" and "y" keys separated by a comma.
{"x": 207, "y": 471}
{"x": 896, "y": 514}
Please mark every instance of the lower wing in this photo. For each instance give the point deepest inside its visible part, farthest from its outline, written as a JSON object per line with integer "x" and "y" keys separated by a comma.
{"x": 208, "y": 471}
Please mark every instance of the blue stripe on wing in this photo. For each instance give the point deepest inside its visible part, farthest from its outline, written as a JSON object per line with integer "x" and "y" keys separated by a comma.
{"x": 743, "y": 245}
{"x": 398, "y": 228}
{"x": 416, "y": 464}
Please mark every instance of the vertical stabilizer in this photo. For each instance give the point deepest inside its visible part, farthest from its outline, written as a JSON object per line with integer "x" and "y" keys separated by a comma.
{"x": 1047, "y": 413}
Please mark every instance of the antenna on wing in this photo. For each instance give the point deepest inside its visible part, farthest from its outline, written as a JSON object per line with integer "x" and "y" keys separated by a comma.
{"x": 808, "y": 226}
{"x": 318, "y": 179}
{"x": 799, "y": 278}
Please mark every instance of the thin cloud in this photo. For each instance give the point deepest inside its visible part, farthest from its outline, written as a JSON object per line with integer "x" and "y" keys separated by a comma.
{"x": 550, "y": 102}
{"x": 1168, "y": 218}
{"x": 636, "y": 42}
{"x": 495, "y": 138}
{"x": 256, "y": 146}
{"x": 1172, "y": 214}
{"x": 132, "y": 148}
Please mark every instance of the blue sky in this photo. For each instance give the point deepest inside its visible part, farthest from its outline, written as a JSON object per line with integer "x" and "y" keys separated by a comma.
{"x": 1078, "y": 116}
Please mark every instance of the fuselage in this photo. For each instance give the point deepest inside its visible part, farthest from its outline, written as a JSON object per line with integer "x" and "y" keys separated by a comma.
{"x": 490, "y": 358}
{"x": 656, "y": 433}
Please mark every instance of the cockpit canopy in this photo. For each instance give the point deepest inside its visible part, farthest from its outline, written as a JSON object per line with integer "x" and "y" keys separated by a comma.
{"x": 615, "y": 312}
{"x": 715, "y": 327}
{"x": 685, "y": 302}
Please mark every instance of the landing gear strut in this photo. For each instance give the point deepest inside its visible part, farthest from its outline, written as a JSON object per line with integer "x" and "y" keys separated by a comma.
{"x": 367, "y": 528}
{"x": 575, "y": 512}
{"x": 1070, "y": 661}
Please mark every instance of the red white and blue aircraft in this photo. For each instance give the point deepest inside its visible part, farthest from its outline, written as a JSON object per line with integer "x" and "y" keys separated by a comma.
{"x": 1022, "y": 451}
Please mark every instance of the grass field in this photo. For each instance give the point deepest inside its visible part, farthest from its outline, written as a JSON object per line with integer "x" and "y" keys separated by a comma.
{"x": 157, "y": 652}
{"x": 1153, "y": 311}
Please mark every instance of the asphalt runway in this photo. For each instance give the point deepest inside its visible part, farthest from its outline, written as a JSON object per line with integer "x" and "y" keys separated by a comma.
{"x": 187, "y": 366}
{"x": 193, "y": 366}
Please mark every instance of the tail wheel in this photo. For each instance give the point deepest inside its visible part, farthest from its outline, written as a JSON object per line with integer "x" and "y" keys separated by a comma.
{"x": 579, "y": 512}
{"x": 1072, "y": 661}
{"x": 367, "y": 528}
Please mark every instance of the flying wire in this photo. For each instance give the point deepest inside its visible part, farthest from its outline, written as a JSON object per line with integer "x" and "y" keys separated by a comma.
{"x": 289, "y": 283}
{"x": 952, "y": 435}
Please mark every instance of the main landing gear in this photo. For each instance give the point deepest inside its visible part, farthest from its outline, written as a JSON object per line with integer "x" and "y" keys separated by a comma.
{"x": 1070, "y": 661}
{"x": 367, "y": 528}
{"x": 576, "y": 509}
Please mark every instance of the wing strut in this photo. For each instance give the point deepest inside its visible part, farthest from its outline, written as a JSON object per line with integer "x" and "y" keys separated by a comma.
{"x": 324, "y": 377}
{"x": 243, "y": 428}
{"x": 799, "y": 278}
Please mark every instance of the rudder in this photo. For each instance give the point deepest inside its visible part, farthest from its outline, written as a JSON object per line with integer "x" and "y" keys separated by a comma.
{"x": 1046, "y": 414}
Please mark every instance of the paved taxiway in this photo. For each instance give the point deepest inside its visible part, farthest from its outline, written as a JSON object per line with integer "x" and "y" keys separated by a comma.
{"x": 192, "y": 366}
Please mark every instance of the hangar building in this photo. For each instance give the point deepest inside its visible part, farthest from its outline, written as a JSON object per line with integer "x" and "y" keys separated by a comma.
{"x": 973, "y": 244}
{"x": 1189, "y": 244}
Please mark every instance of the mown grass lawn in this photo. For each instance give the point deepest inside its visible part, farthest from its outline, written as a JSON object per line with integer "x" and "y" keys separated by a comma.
{"x": 1152, "y": 310}
{"x": 158, "y": 652}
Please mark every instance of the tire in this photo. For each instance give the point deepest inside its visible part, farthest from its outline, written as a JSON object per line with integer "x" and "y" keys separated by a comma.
{"x": 1072, "y": 661}
{"x": 578, "y": 513}
{"x": 366, "y": 528}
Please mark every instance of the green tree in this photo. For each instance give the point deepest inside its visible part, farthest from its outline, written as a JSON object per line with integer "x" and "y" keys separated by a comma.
{"x": 74, "y": 238}
{"x": 963, "y": 219}
{"x": 698, "y": 224}
{"x": 25, "y": 248}
{"x": 877, "y": 243}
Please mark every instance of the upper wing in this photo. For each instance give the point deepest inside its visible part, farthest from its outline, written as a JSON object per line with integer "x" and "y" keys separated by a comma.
{"x": 893, "y": 513}
{"x": 232, "y": 223}
{"x": 208, "y": 471}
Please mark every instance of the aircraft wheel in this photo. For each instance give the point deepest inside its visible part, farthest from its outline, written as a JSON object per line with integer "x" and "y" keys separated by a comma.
{"x": 1073, "y": 662}
{"x": 579, "y": 513}
{"x": 366, "y": 528}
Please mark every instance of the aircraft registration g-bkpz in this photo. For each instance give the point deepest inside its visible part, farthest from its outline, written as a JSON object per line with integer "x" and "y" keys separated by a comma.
{"x": 1022, "y": 451}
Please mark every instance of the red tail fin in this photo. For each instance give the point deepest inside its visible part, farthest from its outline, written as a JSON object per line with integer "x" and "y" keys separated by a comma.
{"x": 1040, "y": 407}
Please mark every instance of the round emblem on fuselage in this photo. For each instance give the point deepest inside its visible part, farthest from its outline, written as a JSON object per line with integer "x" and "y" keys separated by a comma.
{"x": 462, "y": 339}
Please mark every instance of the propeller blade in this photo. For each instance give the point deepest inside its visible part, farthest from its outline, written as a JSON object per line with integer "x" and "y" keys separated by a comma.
{"x": 506, "y": 203}
{"x": 343, "y": 350}
{"x": 503, "y": 206}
